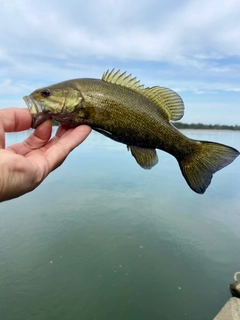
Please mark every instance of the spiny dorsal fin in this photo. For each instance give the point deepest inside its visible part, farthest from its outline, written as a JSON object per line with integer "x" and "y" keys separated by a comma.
{"x": 123, "y": 80}
{"x": 167, "y": 100}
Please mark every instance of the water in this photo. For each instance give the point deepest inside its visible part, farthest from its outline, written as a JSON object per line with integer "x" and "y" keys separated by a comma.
{"x": 102, "y": 238}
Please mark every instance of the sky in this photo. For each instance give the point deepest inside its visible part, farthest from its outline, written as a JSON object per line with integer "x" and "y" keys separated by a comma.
{"x": 190, "y": 46}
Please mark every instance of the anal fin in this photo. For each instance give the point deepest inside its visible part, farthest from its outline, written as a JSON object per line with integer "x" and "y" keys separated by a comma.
{"x": 146, "y": 158}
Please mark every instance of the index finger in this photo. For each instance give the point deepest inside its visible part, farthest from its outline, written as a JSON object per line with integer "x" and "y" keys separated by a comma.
{"x": 57, "y": 151}
{"x": 15, "y": 119}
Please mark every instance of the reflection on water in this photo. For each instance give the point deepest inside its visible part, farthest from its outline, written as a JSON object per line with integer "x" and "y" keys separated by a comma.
{"x": 102, "y": 238}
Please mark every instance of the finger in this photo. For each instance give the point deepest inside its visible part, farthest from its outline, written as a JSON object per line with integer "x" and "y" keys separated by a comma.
{"x": 65, "y": 130}
{"x": 36, "y": 140}
{"x": 15, "y": 119}
{"x": 57, "y": 153}
{"x": 2, "y": 137}
{"x": 61, "y": 130}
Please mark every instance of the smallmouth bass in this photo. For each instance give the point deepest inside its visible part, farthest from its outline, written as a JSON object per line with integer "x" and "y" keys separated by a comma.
{"x": 119, "y": 107}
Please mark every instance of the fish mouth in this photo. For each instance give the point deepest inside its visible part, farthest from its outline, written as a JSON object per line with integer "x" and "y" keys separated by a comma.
{"x": 36, "y": 110}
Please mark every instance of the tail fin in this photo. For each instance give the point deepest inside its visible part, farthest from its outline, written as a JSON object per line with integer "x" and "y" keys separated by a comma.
{"x": 199, "y": 167}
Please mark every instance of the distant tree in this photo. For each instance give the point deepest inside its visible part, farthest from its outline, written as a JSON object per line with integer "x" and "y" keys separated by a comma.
{"x": 181, "y": 125}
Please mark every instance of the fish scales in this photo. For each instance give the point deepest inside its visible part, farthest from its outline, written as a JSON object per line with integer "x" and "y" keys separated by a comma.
{"x": 128, "y": 107}
{"x": 119, "y": 107}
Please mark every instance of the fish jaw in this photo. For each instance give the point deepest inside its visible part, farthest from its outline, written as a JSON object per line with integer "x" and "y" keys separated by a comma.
{"x": 36, "y": 110}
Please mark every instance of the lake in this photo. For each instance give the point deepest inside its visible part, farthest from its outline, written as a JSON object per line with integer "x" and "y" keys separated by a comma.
{"x": 101, "y": 238}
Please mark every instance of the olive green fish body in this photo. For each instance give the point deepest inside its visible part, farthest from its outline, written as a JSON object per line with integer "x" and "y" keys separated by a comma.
{"x": 123, "y": 110}
{"x": 124, "y": 115}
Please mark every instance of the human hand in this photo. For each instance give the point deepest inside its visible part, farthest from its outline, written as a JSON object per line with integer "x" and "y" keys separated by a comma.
{"x": 23, "y": 166}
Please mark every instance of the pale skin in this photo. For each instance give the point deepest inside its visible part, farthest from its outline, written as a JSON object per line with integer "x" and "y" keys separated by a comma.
{"x": 23, "y": 166}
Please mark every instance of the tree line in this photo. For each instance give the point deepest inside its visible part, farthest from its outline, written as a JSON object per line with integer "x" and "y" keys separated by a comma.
{"x": 181, "y": 125}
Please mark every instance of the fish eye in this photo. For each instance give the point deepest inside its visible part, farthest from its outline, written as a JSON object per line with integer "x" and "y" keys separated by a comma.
{"x": 45, "y": 93}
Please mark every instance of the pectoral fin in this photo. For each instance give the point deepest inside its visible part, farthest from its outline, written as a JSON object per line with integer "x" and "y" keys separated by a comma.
{"x": 146, "y": 158}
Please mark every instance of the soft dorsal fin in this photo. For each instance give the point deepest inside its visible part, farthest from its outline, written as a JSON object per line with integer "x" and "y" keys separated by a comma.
{"x": 166, "y": 99}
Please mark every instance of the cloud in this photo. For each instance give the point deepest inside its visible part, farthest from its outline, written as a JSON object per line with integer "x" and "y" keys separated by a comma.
{"x": 189, "y": 46}
{"x": 7, "y": 86}
{"x": 146, "y": 30}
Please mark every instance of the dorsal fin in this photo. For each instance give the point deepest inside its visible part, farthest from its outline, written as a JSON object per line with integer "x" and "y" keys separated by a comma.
{"x": 166, "y": 99}
{"x": 122, "y": 80}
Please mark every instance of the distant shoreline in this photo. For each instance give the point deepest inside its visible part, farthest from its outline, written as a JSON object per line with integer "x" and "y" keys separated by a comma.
{"x": 208, "y": 127}
{"x": 207, "y": 130}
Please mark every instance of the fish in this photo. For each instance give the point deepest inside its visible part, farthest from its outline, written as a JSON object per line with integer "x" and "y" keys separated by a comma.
{"x": 121, "y": 108}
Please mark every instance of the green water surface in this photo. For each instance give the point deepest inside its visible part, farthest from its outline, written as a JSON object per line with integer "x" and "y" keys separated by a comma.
{"x": 102, "y": 238}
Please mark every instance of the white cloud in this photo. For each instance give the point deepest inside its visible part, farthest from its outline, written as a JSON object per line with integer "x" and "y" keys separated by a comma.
{"x": 234, "y": 89}
{"x": 191, "y": 46}
{"x": 7, "y": 86}
{"x": 150, "y": 30}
